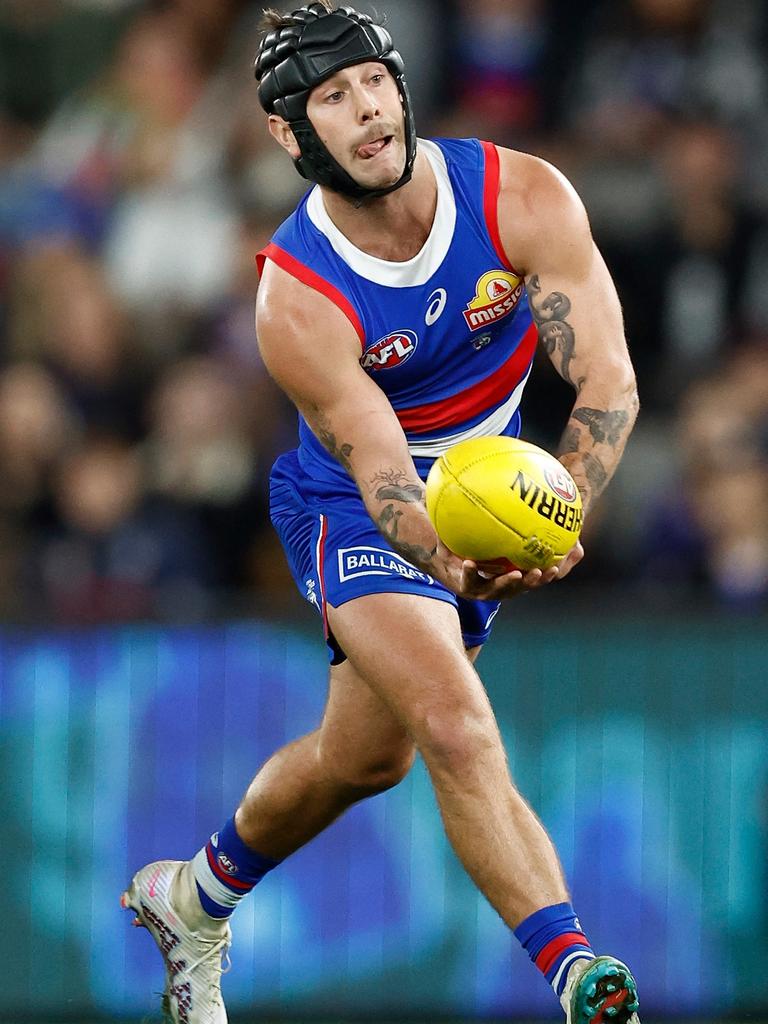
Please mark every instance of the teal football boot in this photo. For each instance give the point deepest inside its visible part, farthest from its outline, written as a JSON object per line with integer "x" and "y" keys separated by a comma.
{"x": 602, "y": 991}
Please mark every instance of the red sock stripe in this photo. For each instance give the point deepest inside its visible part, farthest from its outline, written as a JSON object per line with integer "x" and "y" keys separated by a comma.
{"x": 233, "y": 883}
{"x": 551, "y": 952}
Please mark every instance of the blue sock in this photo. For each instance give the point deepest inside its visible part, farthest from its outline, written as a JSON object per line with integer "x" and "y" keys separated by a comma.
{"x": 554, "y": 941}
{"x": 226, "y": 870}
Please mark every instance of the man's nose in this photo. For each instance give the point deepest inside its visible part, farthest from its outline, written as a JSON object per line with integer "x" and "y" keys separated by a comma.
{"x": 368, "y": 107}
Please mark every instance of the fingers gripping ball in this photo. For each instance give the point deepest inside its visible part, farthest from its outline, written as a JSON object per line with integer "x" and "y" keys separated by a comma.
{"x": 504, "y": 502}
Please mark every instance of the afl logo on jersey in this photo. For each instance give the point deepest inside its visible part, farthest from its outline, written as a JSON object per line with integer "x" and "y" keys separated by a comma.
{"x": 497, "y": 295}
{"x": 390, "y": 351}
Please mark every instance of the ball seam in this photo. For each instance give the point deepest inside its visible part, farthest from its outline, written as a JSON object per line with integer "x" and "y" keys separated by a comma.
{"x": 475, "y": 498}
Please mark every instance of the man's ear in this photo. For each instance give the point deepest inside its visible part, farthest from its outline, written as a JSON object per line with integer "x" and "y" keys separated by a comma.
{"x": 283, "y": 133}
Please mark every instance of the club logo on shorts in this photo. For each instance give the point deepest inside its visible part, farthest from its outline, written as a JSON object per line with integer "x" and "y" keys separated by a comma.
{"x": 391, "y": 351}
{"x": 561, "y": 483}
{"x": 496, "y": 296}
{"x": 369, "y": 561}
{"x": 312, "y": 594}
{"x": 226, "y": 864}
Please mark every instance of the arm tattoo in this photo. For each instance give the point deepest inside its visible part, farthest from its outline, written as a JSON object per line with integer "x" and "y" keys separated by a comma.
{"x": 328, "y": 440}
{"x": 391, "y": 486}
{"x": 597, "y": 475}
{"x": 605, "y": 426}
{"x": 570, "y": 441}
{"x": 388, "y": 523}
{"x": 555, "y": 333}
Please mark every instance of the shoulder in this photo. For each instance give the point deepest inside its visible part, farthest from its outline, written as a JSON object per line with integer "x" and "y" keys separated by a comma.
{"x": 290, "y": 312}
{"x": 537, "y": 204}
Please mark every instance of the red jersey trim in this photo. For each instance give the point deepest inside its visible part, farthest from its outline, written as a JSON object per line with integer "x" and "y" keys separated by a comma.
{"x": 450, "y": 412}
{"x": 491, "y": 187}
{"x": 303, "y": 273}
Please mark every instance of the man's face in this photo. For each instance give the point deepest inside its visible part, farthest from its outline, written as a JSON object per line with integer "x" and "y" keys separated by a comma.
{"x": 359, "y": 117}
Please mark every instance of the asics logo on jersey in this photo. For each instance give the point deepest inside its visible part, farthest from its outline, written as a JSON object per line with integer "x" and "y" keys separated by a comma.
{"x": 390, "y": 351}
{"x": 497, "y": 295}
{"x": 437, "y": 301}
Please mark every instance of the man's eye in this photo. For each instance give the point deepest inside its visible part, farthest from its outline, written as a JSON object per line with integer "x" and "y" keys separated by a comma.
{"x": 335, "y": 96}
{"x": 378, "y": 78}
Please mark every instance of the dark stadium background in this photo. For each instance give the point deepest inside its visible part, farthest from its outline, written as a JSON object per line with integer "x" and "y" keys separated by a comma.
{"x": 152, "y": 648}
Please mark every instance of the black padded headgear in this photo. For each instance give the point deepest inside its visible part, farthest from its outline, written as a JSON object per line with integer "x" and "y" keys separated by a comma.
{"x": 292, "y": 60}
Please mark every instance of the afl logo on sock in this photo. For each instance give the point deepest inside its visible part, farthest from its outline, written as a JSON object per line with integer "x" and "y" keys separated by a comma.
{"x": 390, "y": 351}
{"x": 226, "y": 864}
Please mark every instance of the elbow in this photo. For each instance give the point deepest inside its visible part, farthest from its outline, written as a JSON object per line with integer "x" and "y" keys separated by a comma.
{"x": 623, "y": 385}
{"x": 629, "y": 392}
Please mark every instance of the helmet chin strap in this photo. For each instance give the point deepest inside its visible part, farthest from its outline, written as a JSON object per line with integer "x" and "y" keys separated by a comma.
{"x": 316, "y": 164}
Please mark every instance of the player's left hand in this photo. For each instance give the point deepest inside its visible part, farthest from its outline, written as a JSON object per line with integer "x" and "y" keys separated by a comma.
{"x": 489, "y": 586}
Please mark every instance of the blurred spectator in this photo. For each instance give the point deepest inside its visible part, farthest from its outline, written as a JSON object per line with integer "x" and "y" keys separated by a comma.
{"x": 115, "y": 552}
{"x": 36, "y": 427}
{"x": 65, "y": 315}
{"x": 713, "y": 532}
{"x": 49, "y": 48}
{"x": 499, "y": 50}
{"x": 713, "y": 252}
{"x": 137, "y": 180}
{"x": 202, "y": 451}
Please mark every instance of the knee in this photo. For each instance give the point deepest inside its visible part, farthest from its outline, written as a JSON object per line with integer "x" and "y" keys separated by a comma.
{"x": 370, "y": 775}
{"x": 453, "y": 740}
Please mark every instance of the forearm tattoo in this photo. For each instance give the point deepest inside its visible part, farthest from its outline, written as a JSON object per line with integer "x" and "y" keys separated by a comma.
{"x": 392, "y": 485}
{"x": 388, "y": 522}
{"x": 605, "y": 425}
{"x": 597, "y": 474}
{"x": 555, "y": 333}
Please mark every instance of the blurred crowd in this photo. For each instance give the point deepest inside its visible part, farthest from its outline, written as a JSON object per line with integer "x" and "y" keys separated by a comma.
{"x": 137, "y": 181}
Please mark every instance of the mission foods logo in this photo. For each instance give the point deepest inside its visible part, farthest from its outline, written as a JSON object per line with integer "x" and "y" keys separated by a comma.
{"x": 498, "y": 293}
{"x": 390, "y": 351}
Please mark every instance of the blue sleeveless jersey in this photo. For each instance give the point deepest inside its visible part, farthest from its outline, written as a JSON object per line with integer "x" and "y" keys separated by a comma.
{"x": 447, "y": 335}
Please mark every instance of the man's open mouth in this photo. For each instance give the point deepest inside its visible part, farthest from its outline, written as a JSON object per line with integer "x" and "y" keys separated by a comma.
{"x": 372, "y": 149}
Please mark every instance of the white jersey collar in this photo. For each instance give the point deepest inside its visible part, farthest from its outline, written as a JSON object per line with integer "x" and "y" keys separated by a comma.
{"x": 419, "y": 269}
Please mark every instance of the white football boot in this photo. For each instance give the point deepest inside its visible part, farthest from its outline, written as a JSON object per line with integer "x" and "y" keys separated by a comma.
{"x": 600, "y": 991}
{"x": 193, "y": 945}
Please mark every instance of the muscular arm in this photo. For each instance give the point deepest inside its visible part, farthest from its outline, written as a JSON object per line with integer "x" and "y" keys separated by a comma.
{"x": 573, "y": 301}
{"x": 312, "y": 351}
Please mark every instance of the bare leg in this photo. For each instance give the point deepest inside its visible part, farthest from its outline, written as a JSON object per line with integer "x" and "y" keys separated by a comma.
{"x": 436, "y": 694}
{"x": 359, "y": 749}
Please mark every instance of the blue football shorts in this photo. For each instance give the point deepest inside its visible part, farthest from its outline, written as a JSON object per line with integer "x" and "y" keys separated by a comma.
{"x": 335, "y": 553}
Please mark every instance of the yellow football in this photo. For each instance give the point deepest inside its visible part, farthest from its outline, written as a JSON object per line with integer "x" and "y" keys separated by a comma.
{"x": 504, "y": 502}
